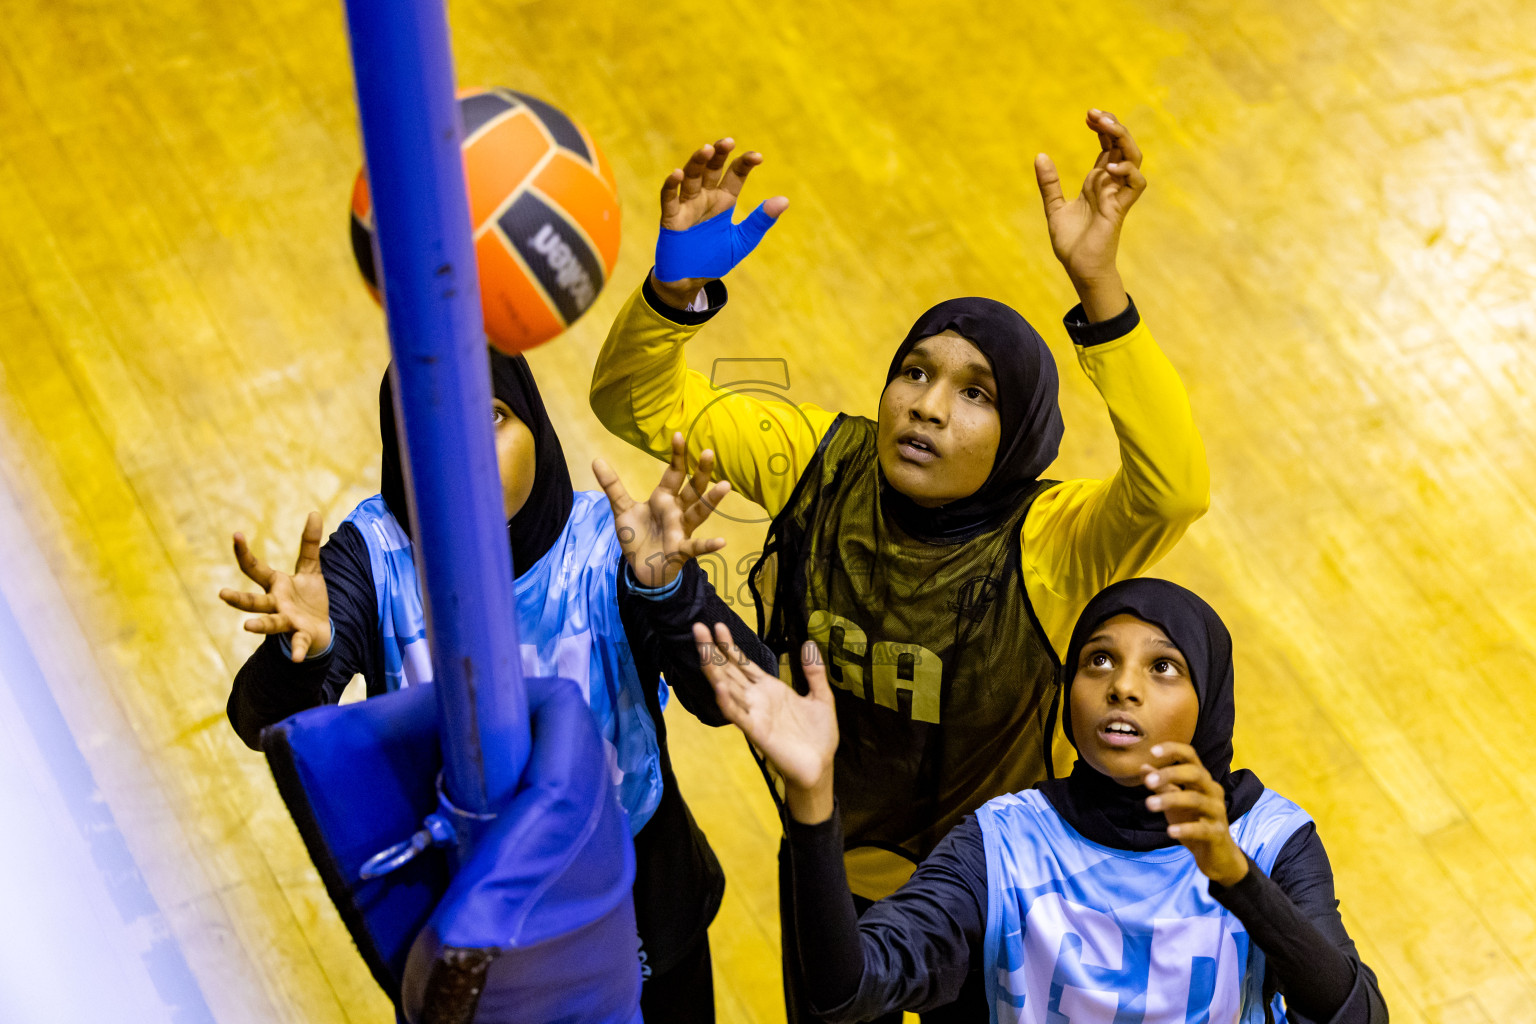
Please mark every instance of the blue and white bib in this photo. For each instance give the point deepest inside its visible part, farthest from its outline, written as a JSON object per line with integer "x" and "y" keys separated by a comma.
{"x": 1079, "y": 933}
{"x": 568, "y": 625}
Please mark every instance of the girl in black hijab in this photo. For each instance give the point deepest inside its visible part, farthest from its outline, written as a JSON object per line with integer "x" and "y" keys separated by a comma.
{"x": 354, "y": 606}
{"x": 1099, "y": 807}
{"x": 1029, "y": 419}
{"x": 536, "y": 483}
{"x": 1153, "y": 884}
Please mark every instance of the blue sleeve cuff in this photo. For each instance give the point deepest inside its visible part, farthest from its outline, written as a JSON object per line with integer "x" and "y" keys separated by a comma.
{"x": 286, "y": 646}
{"x": 1087, "y": 334}
{"x": 649, "y": 593}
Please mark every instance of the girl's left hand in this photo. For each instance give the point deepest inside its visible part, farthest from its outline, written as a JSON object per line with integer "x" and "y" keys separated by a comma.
{"x": 657, "y": 534}
{"x": 797, "y": 734}
{"x": 1196, "y": 808}
{"x": 1085, "y": 231}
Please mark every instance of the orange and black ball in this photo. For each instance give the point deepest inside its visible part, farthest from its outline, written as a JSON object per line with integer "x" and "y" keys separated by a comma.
{"x": 545, "y": 214}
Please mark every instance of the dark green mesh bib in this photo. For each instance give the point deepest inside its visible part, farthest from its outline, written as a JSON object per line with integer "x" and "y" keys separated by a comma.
{"x": 942, "y": 675}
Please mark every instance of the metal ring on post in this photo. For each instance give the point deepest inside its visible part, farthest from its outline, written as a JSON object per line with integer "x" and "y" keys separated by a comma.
{"x": 464, "y": 825}
{"x": 435, "y": 831}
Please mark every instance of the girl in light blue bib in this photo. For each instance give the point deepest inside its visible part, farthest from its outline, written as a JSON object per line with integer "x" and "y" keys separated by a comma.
{"x": 1154, "y": 885}
{"x": 353, "y": 606}
{"x": 565, "y": 557}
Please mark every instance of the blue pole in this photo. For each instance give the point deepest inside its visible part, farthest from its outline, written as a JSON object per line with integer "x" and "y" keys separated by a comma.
{"x": 403, "y": 68}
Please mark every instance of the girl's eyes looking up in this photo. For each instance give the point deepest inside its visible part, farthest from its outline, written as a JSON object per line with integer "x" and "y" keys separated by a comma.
{"x": 1160, "y": 667}
{"x": 974, "y": 392}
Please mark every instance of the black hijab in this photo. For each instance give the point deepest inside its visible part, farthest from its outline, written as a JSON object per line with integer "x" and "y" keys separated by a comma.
{"x": 1031, "y": 426}
{"x": 536, "y": 527}
{"x": 1097, "y": 806}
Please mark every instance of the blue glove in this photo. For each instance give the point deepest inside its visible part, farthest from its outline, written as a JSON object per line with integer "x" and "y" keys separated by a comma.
{"x": 711, "y": 248}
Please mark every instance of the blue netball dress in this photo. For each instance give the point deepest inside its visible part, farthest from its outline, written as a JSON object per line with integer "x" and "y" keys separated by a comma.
{"x": 568, "y": 622}
{"x": 1079, "y": 933}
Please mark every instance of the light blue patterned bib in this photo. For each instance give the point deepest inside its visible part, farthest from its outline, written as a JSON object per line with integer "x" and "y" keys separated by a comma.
{"x": 568, "y": 624}
{"x": 1079, "y": 933}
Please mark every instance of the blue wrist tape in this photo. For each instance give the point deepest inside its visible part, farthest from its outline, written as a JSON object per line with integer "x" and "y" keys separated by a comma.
{"x": 709, "y": 249}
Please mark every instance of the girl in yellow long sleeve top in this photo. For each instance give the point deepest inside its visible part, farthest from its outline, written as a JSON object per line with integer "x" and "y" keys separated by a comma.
{"x": 893, "y": 539}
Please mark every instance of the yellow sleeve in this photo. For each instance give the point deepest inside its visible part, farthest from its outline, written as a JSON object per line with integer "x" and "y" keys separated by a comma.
{"x": 643, "y": 392}
{"x": 1082, "y": 535}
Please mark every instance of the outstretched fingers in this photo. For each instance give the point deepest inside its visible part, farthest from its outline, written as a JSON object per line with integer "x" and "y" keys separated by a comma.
{"x": 716, "y": 166}
{"x": 693, "y": 547}
{"x": 729, "y": 683}
{"x": 267, "y": 624}
{"x": 696, "y": 513}
{"x": 254, "y": 568}
{"x": 248, "y": 602}
{"x": 1050, "y": 184}
{"x": 693, "y": 172}
{"x": 673, "y": 477}
{"x": 699, "y": 482}
{"x": 309, "y": 545}
{"x": 698, "y": 497}
{"x": 736, "y": 176}
{"x": 739, "y": 662}
{"x": 671, "y": 204}
{"x": 815, "y": 672}
{"x": 713, "y": 656}
{"x": 618, "y": 498}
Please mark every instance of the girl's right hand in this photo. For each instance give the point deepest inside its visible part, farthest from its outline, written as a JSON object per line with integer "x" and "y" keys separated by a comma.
{"x": 1196, "y": 808}
{"x": 295, "y": 604}
{"x": 798, "y": 735}
{"x": 697, "y": 191}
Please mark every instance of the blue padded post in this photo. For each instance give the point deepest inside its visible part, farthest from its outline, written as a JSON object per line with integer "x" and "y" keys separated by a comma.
{"x": 405, "y": 99}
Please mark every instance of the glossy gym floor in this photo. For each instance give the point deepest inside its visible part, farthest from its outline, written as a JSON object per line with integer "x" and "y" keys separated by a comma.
{"x": 1338, "y": 252}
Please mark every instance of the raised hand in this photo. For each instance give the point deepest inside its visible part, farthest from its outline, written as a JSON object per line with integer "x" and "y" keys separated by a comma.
{"x": 701, "y": 189}
{"x": 295, "y": 604}
{"x": 1196, "y": 808}
{"x": 657, "y": 536}
{"x": 798, "y": 735}
{"x": 1085, "y": 231}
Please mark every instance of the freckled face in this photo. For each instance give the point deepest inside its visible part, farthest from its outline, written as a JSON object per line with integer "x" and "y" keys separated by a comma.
{"x": 1132, "y": 691}
{"x": 939, "y": 427}
{"x": 515, "y": 458}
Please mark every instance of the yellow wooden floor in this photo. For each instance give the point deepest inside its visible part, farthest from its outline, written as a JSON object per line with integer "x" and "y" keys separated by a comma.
{"x": 1338, "y": 251}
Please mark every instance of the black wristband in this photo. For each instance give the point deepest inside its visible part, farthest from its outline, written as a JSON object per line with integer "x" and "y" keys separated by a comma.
{"x": 1088, "y": 334}
{"x": 714, "y": 291}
